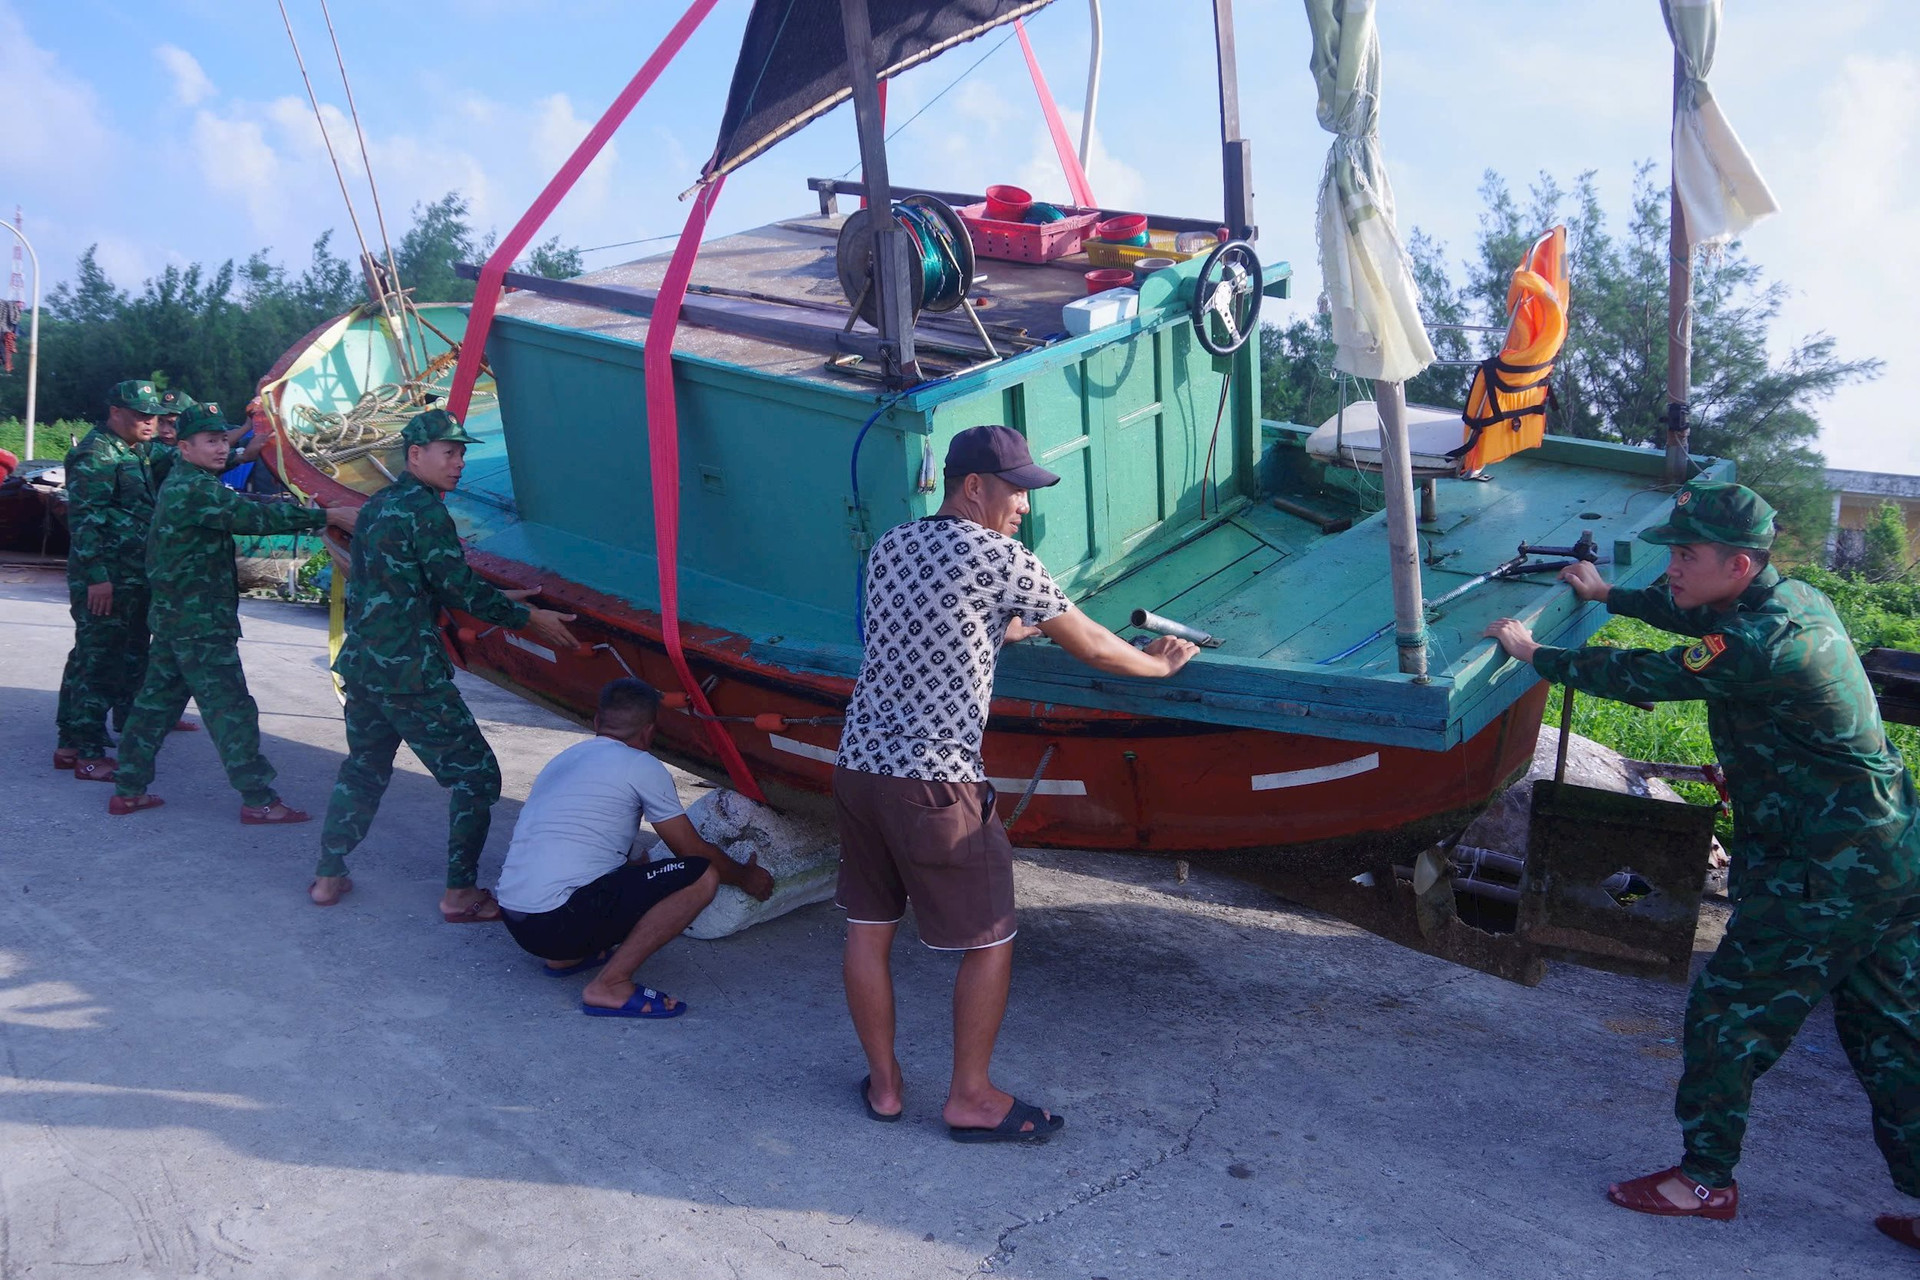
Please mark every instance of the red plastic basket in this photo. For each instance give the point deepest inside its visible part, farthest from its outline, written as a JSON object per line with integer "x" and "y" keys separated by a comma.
{"x": 1027, "y": 241}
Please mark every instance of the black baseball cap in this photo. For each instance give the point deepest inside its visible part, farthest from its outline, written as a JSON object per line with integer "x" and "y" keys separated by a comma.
{"x": 997, "y": 451}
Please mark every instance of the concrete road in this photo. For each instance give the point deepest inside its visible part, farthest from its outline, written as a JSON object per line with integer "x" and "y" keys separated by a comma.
{"x": 205, "y": 1075}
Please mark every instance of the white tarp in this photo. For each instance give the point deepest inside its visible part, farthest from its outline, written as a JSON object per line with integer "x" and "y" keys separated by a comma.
{"x": 1721, "y": 192}
{"x": 1369, "y": 282}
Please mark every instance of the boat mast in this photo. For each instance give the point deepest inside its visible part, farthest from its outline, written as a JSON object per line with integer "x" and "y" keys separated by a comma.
{"x": 1236, "y": 153}
{"x": 1679, "y": 308}
{"x": 890, "y": 263}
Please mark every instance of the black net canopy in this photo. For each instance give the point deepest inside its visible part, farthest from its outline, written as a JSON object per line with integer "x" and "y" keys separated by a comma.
{"x": 793, "y": 61}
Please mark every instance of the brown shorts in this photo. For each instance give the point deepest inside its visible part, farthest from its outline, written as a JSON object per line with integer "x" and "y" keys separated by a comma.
{"x": 934, "y": 844}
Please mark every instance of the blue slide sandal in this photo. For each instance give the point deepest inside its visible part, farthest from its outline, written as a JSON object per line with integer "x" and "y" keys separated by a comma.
{"x": 645, "y": 1002}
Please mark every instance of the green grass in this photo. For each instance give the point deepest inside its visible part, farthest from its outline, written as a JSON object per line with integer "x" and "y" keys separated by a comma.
{"x": 1673, "y": 732}
{"x": 50, "y": 439}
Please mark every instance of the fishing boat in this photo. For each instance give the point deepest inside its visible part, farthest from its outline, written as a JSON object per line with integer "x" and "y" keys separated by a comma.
{"x": 693, "y": 453}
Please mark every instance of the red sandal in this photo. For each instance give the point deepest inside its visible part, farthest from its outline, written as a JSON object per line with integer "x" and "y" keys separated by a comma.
{"x": 264, "y": 815}
{"x": 121, "y": 806}
{"x": 96, "y": 770}
{"x": 1898, "y": 1227}
{"x": 1642, "y": 1195}
{"x": 64, "y": 758}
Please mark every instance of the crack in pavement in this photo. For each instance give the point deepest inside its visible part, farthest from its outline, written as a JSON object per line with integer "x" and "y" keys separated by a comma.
{"x": 1004, "y": 1247}
{"x": 778, "y": 1243}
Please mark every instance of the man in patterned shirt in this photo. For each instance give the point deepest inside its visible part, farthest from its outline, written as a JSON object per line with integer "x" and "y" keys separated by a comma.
{"x": 910, "y": 792}
{"x": 1826, "y": 838}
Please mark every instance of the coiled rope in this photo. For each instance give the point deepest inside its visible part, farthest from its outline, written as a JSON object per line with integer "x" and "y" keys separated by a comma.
{"x": 940, "y": 272}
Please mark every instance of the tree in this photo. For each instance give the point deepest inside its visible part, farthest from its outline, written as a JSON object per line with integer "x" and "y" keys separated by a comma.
{"x": 440, "y": 236}
{"x": 214, "y": 331}
{"x": 554, "y": 261}
{"x": 1610, "y": 380}
{"x": 1886, "y": 557}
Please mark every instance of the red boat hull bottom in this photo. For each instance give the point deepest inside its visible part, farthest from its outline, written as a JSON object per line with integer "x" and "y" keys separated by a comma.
{"x": 1104, "y": 781}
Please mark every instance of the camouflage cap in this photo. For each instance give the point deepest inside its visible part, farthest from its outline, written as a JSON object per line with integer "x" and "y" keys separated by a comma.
{"x": 137, "y": 394}
{"x": 434, "y": 424}
{"x": 204, "y": 416}
{"x": 173, "y": 400}
{"x": 1709, "y": 511}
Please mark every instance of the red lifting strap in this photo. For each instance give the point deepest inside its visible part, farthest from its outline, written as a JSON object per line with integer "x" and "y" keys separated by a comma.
{"x": 663, "y": 452}
{"x": 1069, "y": 159}
{"x": 487, "y": 293}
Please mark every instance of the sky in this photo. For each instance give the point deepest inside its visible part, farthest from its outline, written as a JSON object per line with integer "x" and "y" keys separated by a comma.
{"x": 174, "y": 131}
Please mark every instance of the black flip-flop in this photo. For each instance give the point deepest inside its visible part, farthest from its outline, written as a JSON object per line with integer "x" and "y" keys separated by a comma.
{"x": 866, "y": 1082}
{"x": 1009, "y": 1130}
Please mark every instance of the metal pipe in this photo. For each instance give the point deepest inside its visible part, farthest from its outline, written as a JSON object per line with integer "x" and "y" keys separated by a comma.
{"x": 33, "y": 333}
{"x": 1403, "y": 544}
{"x": 1093, "y": 84}
{"x": 1168, "y": 627}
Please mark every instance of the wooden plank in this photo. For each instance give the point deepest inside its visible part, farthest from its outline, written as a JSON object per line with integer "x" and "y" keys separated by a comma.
{"x": 890, "y": 266}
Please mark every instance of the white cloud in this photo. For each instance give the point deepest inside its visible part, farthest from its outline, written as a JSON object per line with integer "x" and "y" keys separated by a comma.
{"x": 237, "y": 161}
{"x": 191, "y": 86}
{"x": 1850, "y": 210}
{"x": 557, "y": 130}
{"x": 54, "y": 126}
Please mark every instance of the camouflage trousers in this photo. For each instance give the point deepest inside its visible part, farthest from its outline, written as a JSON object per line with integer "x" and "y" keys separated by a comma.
{"x": 209, "y": 672}
{"x": 442, "y": 732}
{"x": 104, "y": 667}
{"x": 1755, "y": 992}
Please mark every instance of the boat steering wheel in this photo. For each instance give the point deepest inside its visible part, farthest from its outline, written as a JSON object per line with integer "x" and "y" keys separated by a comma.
{"x": 1226, "y": 298}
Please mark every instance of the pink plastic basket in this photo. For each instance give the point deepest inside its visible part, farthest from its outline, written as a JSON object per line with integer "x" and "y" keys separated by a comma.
{"x": 1027, "y": 241}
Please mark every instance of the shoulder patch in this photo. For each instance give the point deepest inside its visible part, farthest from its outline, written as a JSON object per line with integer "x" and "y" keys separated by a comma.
{"x": 1700, "y": 656}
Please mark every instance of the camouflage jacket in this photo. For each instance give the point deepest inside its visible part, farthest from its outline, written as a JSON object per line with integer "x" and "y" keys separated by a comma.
{"x": 1824, "y": 811}
{"x": 111, "y": 488}
{"x": 407, "y": 563}
{"x": 190, "y": 553}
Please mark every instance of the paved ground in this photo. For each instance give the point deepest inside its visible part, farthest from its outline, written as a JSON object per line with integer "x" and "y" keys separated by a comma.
{"x": 205, "y": 1075}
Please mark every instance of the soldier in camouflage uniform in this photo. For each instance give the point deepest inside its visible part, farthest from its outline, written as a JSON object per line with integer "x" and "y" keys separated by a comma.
{"x": 111, "y": 484}
{"x": 407, "y": 564}
{"x": 1826, "y": 845}
{"x": 173, "y": 403}
{"x": 194, "y": 615}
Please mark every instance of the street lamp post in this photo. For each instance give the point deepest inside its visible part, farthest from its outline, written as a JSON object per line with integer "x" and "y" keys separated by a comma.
{"x": 33, "y": 337}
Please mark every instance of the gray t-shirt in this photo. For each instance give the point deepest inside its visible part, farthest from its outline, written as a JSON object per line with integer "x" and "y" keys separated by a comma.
{"x": 940, "y": 593}
{"x": 580, "y": 819}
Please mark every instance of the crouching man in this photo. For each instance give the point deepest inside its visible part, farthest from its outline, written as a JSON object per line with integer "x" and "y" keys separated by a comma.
{"x": 568, "y": 893}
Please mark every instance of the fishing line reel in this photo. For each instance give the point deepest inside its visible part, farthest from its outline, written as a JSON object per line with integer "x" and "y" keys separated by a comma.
{"x": 939, "y": 249}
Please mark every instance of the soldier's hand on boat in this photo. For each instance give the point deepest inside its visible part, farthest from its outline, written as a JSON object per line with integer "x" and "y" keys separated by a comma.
{"x": 521, "y": 595}
{"x": 1586, "y": 581}
{"x": 1513, "y": 636}
{"x": 752, "y": 879}
{"x": 100, "y": 599}
{"x": 1173, "y": 650}
{"x": 551, "y": 627}
{"x": 342, "y": 518}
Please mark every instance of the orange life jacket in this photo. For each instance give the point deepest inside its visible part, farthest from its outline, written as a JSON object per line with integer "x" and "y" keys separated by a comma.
{"x": 1506, "y": 403}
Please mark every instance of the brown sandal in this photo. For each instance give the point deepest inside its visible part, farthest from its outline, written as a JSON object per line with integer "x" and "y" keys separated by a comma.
{"x": 64, "y": 758}
{"x": 1895, "y": 1226}
{"x": 121, "y": 806}
{"x": 1642, "y": 1195}
{"x": 471, "y": 913}
{"x": 96, "y": 770}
